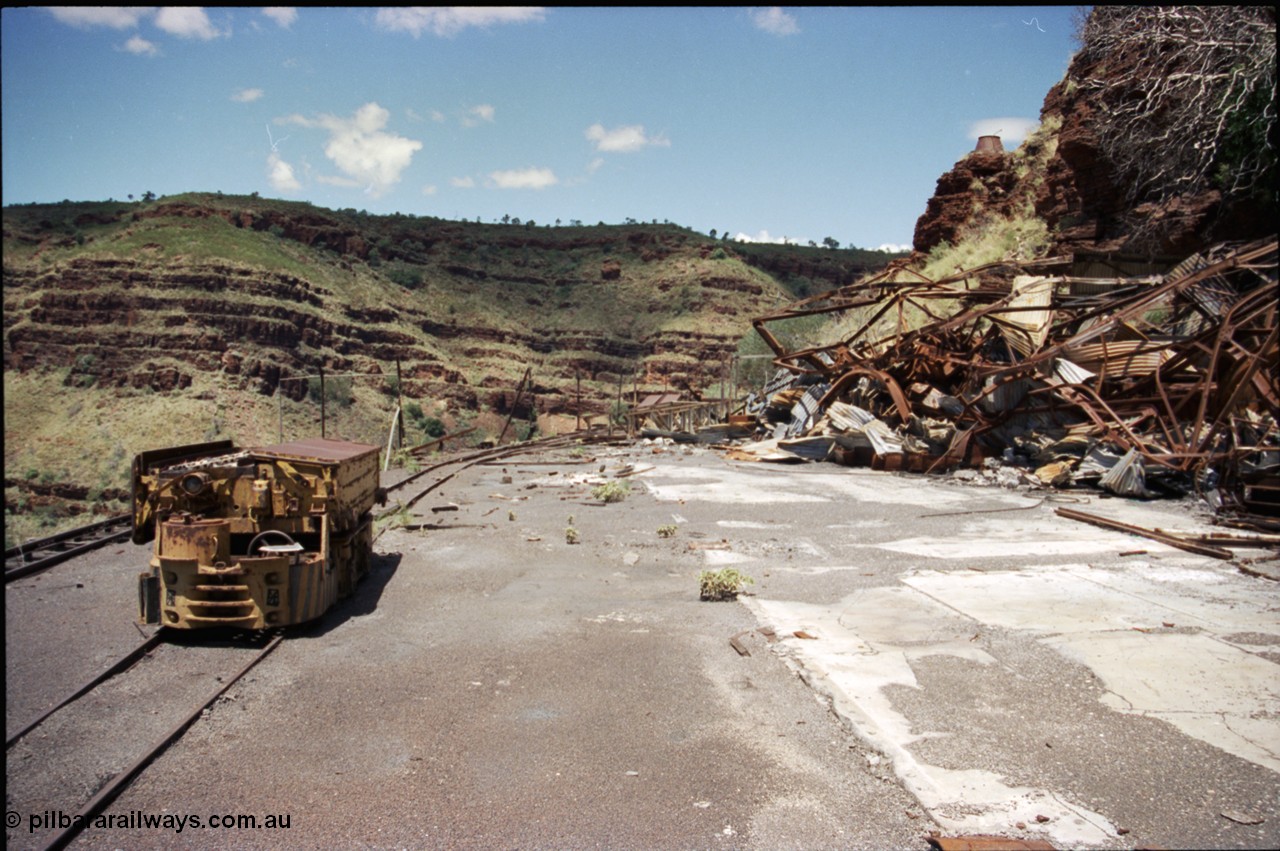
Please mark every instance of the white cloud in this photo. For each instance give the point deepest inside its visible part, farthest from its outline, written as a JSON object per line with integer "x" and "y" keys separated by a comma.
{"x": 462, "y": 183}
{"x": 282, "y": 15}
{"x": 1010, "y": 130}
{"x": 774, "y": 21}
{"x": 892, "y": 248}
{"x": 594, "y": 165}
{"x": 449, "y": 21}
{"x": 116, "y": 17}
{"x": 622, "y": 140}
{"x": 477, "y": 114}
{"x": 763, "y": 236}
{"x": 247, "y": 95}
{"x": 430, "y": 189}
{"x": 526, "y": 178}
{"x": 182, "y": 21}
{"x": 280, "y": 173}
{"x": 141, "y": 47}
{"x": 186, "y": 22}
{"x": 362, "y": 150}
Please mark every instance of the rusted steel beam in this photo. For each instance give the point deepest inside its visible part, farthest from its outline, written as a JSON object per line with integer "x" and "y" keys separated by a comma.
{"x": 1153, "y": 534}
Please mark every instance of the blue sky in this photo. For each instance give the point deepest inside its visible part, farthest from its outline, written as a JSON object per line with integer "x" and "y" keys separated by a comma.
{"x": 769, "y": 123}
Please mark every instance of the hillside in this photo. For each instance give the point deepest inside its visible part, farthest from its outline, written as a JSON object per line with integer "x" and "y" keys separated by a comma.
{"x": 135, "y": 325}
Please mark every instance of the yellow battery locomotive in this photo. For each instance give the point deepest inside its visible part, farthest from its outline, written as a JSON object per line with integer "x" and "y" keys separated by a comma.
{"x": 253, "y": 538}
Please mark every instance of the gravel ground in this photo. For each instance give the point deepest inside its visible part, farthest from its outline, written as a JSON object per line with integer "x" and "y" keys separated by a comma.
{"x": 493, "y": 686}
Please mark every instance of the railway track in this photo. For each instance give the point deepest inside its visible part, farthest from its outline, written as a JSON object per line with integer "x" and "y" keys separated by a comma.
{"x": 60, "y": 756}
{"x": 104, "y": 721}
{"x": 40, "y": 554}
{"x": 43, "y": 553}
{"x": 471, "y": 459}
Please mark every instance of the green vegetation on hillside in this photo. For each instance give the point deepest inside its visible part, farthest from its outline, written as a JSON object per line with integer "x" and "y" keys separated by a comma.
{"x": 138, "y": 324}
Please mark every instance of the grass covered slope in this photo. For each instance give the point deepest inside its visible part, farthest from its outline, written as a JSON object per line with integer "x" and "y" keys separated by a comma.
{"x": 135, "y": 325}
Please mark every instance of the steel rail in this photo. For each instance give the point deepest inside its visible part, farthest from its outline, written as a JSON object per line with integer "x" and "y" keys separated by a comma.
{"x": 485, "y": 455}
{"x": 125, "y": 663}
{"x": 121, "y": 781}
{"x": 27, "y": 560}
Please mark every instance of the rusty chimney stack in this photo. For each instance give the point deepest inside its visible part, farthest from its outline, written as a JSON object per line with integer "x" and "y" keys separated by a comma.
{"x": 989, "y": 145}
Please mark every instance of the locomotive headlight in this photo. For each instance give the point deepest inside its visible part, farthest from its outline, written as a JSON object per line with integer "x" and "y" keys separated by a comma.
{"x": 194, "y": 484}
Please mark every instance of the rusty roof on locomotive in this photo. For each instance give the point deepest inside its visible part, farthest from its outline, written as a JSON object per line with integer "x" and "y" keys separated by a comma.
{"x": 323, "y": 449}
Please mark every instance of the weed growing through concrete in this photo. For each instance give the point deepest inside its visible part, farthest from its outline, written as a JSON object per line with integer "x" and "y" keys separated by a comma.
{"x": 611, "y": 491}
{"x": 723, "y": 584}
{"x": 667, "y": 531}
{"x": 571, "y": 535}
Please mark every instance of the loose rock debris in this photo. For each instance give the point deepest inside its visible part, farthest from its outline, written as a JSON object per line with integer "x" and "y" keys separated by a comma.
{"x": 1161, "y": 384}
{"x": 1242, "y": 818}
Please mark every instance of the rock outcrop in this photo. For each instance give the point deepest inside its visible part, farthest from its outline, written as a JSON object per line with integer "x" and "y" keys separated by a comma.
{"x": 1078, "y": 191}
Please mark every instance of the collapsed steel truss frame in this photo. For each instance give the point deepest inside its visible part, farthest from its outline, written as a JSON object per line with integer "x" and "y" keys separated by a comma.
{"x": 1181, "y": 368}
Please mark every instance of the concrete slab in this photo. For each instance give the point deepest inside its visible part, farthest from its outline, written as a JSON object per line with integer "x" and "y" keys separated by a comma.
{"x": 928, "y": 646}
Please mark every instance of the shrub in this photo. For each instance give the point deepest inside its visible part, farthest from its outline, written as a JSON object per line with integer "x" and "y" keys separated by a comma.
{"x": 723, "y": 584}
{"x": 431, "y": 426}
{"x": 668, "y": 531}
{"x": 611, "y": 491}
{"x": 405, "y": 275}
{"x": 407, "y": 461}
{"x": 336, "y": 390}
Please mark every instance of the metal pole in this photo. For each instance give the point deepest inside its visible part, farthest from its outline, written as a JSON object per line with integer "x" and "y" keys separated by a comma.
{"x": 619, "y": 405}
{"x": 322, "y": 422}
{"x": 399, "y": 407}
{"x": 723, "y": 412}
{"x": 577, "y": 413}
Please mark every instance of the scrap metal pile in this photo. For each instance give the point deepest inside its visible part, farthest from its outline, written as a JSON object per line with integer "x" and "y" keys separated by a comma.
{"x": 1143, "y": 385}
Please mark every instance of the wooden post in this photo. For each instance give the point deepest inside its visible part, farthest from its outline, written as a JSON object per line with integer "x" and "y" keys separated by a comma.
{"x": 577, "y": 412}
{"x": 515, "y": 403}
